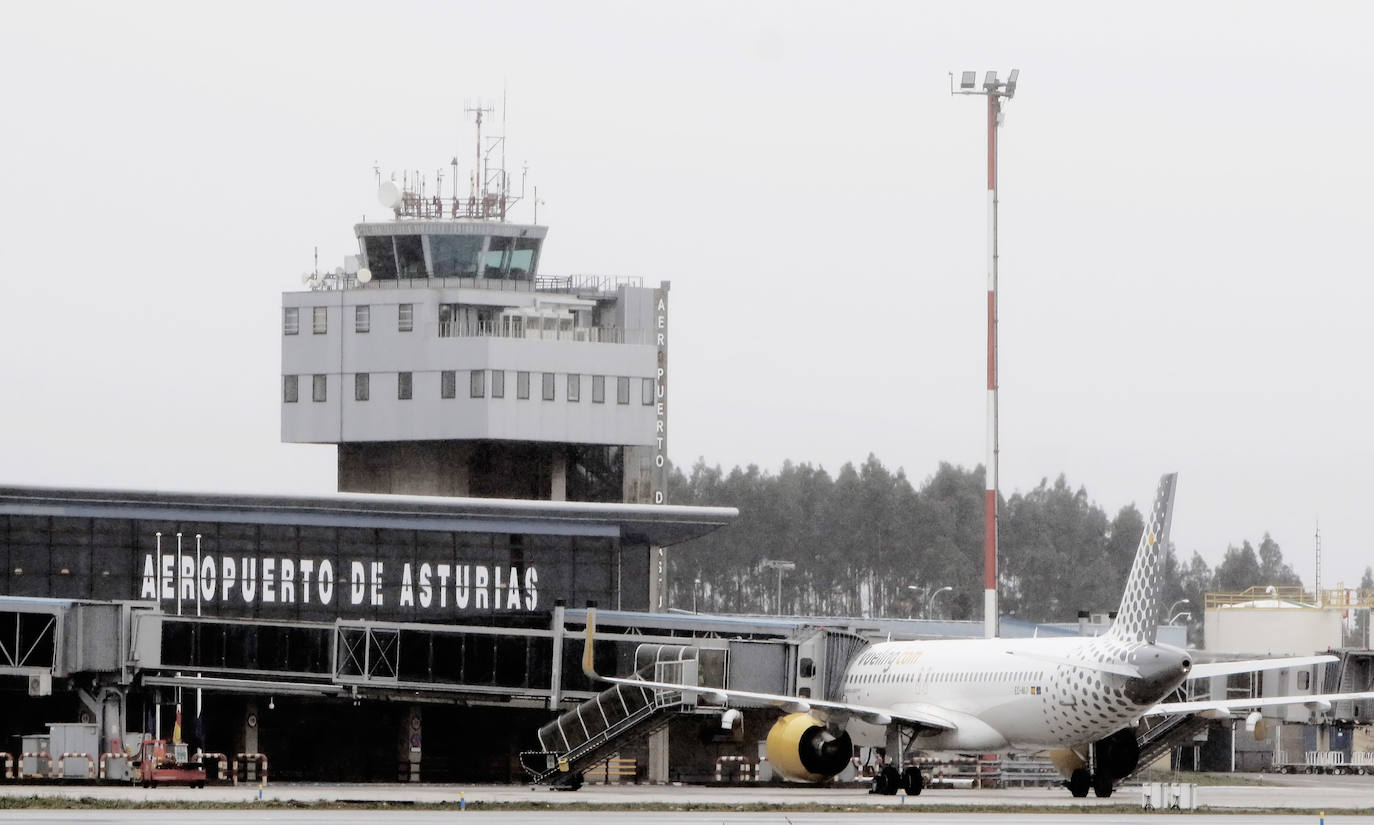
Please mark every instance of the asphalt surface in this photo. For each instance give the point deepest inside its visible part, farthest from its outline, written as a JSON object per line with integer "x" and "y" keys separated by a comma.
{"x": 1275, "y": 795}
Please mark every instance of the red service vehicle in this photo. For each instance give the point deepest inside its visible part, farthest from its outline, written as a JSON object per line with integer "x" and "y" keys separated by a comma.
{"x": 160, "y": 763}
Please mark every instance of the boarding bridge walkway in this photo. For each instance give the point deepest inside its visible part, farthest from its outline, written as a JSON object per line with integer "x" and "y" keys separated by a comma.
{"x": 597, "y": 728}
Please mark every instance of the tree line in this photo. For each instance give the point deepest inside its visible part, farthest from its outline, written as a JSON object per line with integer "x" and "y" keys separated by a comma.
{"x": 867, "y": 542}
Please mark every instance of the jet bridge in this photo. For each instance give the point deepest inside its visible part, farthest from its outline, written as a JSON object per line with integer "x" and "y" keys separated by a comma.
{"x": 811, "y": 663}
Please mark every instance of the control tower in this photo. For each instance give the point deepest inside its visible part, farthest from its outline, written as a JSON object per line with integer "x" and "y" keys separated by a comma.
{"x": 441, "y": 361}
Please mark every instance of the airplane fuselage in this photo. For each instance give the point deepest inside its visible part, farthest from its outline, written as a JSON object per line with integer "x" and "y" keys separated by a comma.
{"x": 1012, "y": 693}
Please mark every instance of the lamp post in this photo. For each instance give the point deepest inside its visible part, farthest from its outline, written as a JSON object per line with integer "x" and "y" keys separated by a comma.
{"x": 1174, "y": 617}
{"x": 1173, "y": 606}
{"x": 930, "y": 603}
{"x": 911, "y": 614}
{"x": 780, "y": 566}
{"x": 994, "y": 90}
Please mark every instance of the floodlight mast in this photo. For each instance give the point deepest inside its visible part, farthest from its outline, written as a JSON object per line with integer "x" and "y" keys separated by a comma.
{"x": 995, "y": 91}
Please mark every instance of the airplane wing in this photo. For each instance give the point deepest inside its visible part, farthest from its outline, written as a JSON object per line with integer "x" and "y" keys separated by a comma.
{"x": 1206, "y": 669}
{"x": 1221, "y": 708}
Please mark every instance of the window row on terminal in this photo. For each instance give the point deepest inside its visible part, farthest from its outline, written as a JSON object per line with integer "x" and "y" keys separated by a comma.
{"x": 481, "y": 384}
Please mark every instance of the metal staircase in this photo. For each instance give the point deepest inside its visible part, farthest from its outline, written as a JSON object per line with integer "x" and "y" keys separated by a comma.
{"x": 597, "y": 728}
{"x": 1156, "y": 737}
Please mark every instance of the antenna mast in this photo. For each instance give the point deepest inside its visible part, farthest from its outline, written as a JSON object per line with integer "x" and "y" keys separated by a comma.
{"x": 1318, "y": 585}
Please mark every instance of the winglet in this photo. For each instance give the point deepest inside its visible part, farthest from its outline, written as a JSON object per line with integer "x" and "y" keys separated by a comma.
{"x": 588, "y": 666}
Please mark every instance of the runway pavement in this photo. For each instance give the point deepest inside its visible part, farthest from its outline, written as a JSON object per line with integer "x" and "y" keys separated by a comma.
{"x": 1277, "y": 794}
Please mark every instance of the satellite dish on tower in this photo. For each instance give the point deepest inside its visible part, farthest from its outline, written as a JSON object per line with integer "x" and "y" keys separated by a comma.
{"x": 306, "y": 276}
{"x": 364, "y": 275}
{"x": 389, "y": 195}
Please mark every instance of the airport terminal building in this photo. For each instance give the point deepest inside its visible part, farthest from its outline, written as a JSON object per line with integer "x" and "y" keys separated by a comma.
{"x": 330, "y": 633}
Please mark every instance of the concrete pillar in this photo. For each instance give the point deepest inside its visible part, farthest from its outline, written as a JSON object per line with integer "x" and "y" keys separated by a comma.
{"x": 658, "y": 756}
{"x": 410, "y": 746}
{"x": 248, "y": 742}
{"x": 556, "y": 669}
{"x": 558, "y": 476}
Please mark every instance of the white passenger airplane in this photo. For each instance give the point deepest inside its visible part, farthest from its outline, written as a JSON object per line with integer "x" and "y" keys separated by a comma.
{"x": 1078, "y": 698}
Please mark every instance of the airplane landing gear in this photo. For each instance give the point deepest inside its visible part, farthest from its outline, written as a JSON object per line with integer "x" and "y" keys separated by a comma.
{"x": 1102, "y": 784}
{"x": 887, "y": 781}
{"x": 912, "y": 782}
{"x": 1079, "y": 781}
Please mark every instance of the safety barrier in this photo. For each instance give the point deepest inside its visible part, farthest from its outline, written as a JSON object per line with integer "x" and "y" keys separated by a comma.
{"x": 34, "y": 755}
{"x": 103, "y": 768}
{"x": 245, "y": 761}
{"x": 745, "y": 768}
{"x": 961, "y": 772}
{"x": 7, "y": 771}
{"x": 615, "y": 768}
{"x": 57, "y": 768}
{"x": 221, "y": 762}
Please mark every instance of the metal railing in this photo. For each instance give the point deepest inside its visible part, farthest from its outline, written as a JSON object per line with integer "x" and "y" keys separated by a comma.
{"x": 1293, "y": 595}
{"x": 572, "y": 284}
{"x": 532, "y": 332}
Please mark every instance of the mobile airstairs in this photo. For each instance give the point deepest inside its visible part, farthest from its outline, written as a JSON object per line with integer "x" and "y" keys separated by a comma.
{"x": 598, "y": 727}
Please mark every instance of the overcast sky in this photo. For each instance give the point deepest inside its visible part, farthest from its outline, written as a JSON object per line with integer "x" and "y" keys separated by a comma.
{"x": 1185, "y": 215}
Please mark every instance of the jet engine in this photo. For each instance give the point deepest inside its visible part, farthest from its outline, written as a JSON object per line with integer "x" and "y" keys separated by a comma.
{"x": 801, "y": 748}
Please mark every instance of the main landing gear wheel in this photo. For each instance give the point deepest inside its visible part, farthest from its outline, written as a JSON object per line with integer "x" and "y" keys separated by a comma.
{"x": 1102, "y": 784}
{"x": 887, "y": 781}
{"x": 1078, "y": 783}
{"x": 912, "y": 782}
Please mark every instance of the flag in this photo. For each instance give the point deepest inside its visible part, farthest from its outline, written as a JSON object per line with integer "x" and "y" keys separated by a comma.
{"x": 176, "y": 729}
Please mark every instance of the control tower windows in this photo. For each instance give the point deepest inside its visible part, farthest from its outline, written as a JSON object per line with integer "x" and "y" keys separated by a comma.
{"x": 320, "y": 321}
{"x": 290, "y": 320}
{"x": 403, "y": 386}
{"x": 496, "y": 263}
{"x": 290, "y": 389}
{"x": 622, "y": 390}
{"x": 574, "y": 387}
{"x": 477, "y": 384}
{"x": 448, "y": 384}
{"x": 522, "y": 386}
{"x": 320, "y": 388}
{"x": 548, "y": 378}
{"x": 405, "y": 317}
{"x": 525, "y": 258}
{"x": 362, "y": 385}
{"x": 381, "y": 257}
{"x": 455, "y": 256}
{"x": 514, "y": 258}
{"x": 362, "y": 318}
{"x": 598, "y": 389}
{"x": 498, "y": 383}
{"x": 410, "y": 256}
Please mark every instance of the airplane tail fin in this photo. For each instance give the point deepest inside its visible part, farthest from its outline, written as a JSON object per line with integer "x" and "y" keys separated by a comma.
{"x": 1138, "y": 617}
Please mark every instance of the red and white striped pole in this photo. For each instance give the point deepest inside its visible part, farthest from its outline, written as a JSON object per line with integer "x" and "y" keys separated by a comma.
{"x": 990, "y": 469}
{"x": 994, "y": 91}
